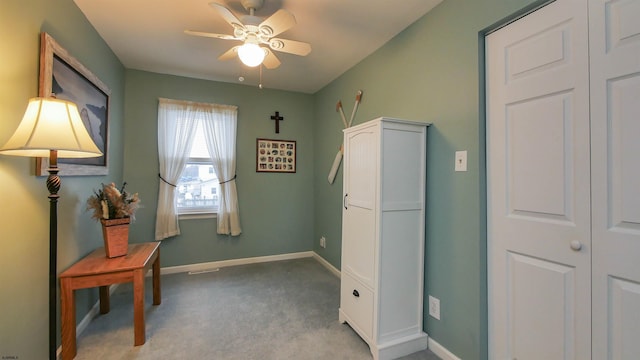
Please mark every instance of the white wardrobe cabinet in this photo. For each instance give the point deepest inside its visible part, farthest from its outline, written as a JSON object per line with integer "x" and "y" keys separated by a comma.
{"x": 383, "y": 234}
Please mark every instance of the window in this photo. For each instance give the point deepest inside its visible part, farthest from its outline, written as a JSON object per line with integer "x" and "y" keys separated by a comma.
{"x": 198, "y": 187}
{"x": 188, "y": 173}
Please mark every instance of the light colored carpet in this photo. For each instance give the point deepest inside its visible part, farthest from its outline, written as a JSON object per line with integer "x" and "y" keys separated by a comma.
{"x": 270, "y": 311}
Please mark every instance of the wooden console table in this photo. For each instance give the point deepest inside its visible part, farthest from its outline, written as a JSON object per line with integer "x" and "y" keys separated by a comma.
{"x": 97, "y": 270}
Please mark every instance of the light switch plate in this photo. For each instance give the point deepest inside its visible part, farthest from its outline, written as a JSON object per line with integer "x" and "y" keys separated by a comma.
{"x": 461, "y": 161}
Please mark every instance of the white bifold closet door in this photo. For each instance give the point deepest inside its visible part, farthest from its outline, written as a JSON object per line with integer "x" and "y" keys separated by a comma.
{"x": 614, "y": 41}
{"x": 563, "y": 167}
{"x": 538, "y": 186}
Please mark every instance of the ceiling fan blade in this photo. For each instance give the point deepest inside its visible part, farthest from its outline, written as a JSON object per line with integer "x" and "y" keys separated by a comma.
{"x": 281, "y": 21}
{"x": 211, "y": 35}
{"x": 229, "y": 54}
{"x": 290, "y": 46}
{"x": 227, "y": 15}
{"x": 270, "y": 60}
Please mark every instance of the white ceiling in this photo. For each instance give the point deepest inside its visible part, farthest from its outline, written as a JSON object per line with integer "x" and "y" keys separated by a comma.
{"x": 148, "y": 35}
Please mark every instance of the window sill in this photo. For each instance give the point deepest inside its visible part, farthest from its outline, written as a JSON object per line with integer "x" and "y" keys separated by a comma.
{"x": 197, "y": 216}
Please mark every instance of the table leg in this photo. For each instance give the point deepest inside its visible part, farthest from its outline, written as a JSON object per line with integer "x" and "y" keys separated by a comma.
{"x": 68, "y": 312}
{"x": 138, "y": 307}
{"x": 157, "y": 299}
{"x": 104, "y": 299}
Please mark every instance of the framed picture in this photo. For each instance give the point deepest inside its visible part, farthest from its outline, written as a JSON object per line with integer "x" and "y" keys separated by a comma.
{"x": 64, "y": 77}
{"x": 278, "y": 156}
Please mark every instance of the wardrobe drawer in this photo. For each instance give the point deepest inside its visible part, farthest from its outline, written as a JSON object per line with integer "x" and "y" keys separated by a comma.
{"x": 356, "y": 302}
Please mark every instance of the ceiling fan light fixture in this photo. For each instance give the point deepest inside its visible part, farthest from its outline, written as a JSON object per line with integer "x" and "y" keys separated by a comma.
{"x": 257, "y": 35}
{"x": 251, "y": 54}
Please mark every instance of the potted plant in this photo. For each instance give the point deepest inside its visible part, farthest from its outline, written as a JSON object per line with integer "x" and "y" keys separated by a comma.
{"x": 115, "y": 208}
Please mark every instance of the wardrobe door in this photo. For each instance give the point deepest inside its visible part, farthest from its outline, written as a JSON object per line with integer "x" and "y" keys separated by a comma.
{"x": 359, "y": 204}
{"x": 615, "y": 136}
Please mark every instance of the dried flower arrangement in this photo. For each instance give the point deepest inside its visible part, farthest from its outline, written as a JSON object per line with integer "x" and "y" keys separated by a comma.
{"x": 111, "y": 203}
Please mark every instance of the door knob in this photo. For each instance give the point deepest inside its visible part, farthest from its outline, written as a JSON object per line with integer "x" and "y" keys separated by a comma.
{"x": 576, "y": 245}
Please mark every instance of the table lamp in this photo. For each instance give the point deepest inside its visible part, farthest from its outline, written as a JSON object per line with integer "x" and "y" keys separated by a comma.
{"x": 51, "y": 128}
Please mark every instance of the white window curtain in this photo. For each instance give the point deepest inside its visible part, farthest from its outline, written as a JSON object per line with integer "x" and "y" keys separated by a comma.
{"x": 220, "y": 134}
{"x": 177, "y": 124}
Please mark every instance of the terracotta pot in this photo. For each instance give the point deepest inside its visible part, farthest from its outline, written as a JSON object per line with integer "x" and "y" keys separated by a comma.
{"x": 115, "y": 233}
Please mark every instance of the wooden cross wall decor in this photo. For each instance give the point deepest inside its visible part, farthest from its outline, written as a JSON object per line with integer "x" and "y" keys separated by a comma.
{"x": 277, "y": 118}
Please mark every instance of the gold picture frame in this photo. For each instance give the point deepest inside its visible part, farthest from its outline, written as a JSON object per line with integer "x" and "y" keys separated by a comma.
{"x": 64, "y": 77}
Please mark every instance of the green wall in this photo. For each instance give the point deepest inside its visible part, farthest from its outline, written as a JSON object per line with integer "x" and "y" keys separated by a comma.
{"x": 430, "y": 72}
{"x": 276, "y": 209}
{"x": 24, "y": 214}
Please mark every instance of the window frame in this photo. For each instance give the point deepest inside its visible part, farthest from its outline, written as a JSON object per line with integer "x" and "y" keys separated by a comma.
{"x": 197, "y": 211}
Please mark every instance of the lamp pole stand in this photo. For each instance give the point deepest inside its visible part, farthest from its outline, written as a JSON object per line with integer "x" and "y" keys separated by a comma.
{"x": 53, "y": 185}
{"x": 49, "y": 124}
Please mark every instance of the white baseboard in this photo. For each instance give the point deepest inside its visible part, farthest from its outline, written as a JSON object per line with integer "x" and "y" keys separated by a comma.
{"x": 402, "y": 346}
{"x": 213, "y": 265}
{"x": 441, "y": 351}
{"x": 326, "y": 264}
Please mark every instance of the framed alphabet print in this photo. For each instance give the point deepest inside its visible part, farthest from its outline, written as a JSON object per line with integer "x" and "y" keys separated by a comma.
{"x": 277, "y": 156}
{"x": 64, "y": 77}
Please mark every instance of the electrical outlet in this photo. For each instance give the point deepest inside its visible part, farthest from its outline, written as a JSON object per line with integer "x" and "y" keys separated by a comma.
{"x": 434, "y": 307}
{"x": 323, "y": 242}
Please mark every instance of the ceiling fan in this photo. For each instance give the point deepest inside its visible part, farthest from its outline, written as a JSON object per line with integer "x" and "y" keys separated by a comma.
{"x": 257, "y": 35}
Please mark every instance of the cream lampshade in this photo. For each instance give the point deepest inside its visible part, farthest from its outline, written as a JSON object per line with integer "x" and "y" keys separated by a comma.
{"x": 51, "y": 124}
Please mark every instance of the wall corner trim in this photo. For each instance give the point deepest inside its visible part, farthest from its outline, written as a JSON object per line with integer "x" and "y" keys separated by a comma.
{"x": 327, "y": 264}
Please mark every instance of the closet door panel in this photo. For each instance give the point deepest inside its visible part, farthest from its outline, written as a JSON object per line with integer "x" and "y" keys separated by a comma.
{"x": 624, "y": 149}
{"x": 615, "y": 147}
{"x": 536, "y": 319}
{"x": 539, "y": 228}
{"x": 624, "y": 318}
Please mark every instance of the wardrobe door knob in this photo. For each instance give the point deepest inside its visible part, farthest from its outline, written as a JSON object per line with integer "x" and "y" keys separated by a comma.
{"x": 576, "y": 245}
{"x": 356, "y": 293}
